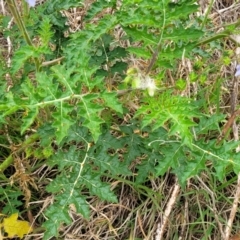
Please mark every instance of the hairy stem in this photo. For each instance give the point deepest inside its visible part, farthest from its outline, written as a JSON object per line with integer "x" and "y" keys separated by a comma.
{"x": 18, "y": 20}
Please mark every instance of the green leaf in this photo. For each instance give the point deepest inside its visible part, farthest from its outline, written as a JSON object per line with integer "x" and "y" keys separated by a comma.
{"x": 63, "y": 76}
{"x": 180, "y": 11}
{"x": 59, "y": 184}
{"x": 62, "y": 120}
{"x": 29, "y": 90}
{"x": 133, "y": 142}
{"x": 90, "y": 111}
{"x": 51, "y": 229}
{"x": 106, "y": 162}
{"x": 57, "y": 215}
{"x": 9, "y": 196}
{"x": 97, "y": 7}
{"x": 174, "y": 52}
{"x": 28, "y": 119}
{"x": 141, "y": 35}
{"x": 80, "y": 204}
{"x": 72, "y": 196}
{"x": 171, "y": 151}
{"x": 140, "y": 52}
{"x": 209, "y": 123}
{"x": 181, "y": 33}
{"x": 183, "y": 126}
{"x": 189, "y": 166}
{"x": 45, "y": 31}
{"x": 47, "y": 134}
{"x": 78, "y": 134}
{"x": 175, "y": 111}
{"x": 105, "y": 24}
{"x": 222, "y": 157}
{"x": 112, "y": 101}
{"x": 144, "y": 170}
{"x": 181, "y": 84}
{"x": 67, "y": 159}
{"x": 133, "y": 17}
{"x": 11, "y": 104}
{"x": 58, "y": 5}
{"x": 117, "y": 53}
{"x": 119, "y": 68}
{"x": 21, "y": 56}
{"x": 99, "y": 188}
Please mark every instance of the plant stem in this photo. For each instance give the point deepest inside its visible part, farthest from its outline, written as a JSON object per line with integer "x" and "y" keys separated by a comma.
{"x": 18, "y": 20}
{"x": 225, "y": 33}
{"x": 158, "y": 49}
{"x": 207, "y": 13}
{"x": 6, "y": 163}
{"x": 9, "y": 160}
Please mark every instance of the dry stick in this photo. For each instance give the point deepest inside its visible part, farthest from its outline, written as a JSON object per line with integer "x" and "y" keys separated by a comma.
{"x": 141, "y": 226}
{"x": 161, "y": 227}
{"x": 234, "y": 113}
{"x": 9, "y": 43}
{"x": 236, "y": 138}
{"x": 234, "y": 100}
{"x": 9, "y": 48}
{"x": 154, "y": 58}
{"x": 185, "y": 220}
{"x": 227, "y": 126}
{"x": 52, "y": 62}
{"x": 233, "y": 210}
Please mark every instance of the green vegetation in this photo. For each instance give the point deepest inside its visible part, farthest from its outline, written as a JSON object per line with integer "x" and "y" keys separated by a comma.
{"x": 118, "y": 103}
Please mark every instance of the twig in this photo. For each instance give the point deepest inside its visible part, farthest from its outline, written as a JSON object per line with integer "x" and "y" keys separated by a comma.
{"x": 52, "y": 62}
{"x": 227, "y": 126}
{"x": 185, "y": 220}
{"x": 140, "y": 225}
{"x": 234, "y": 113}
{"x": 161, "y": 227}
{"x": 233, "y": 211}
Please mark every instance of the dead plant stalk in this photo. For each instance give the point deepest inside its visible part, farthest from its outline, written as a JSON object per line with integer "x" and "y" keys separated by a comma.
{"x": 161, "y": 227}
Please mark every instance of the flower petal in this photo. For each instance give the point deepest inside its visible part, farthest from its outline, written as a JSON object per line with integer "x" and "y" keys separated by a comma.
{"x": 238, "y": 71}
{"x": 31, "y": 3}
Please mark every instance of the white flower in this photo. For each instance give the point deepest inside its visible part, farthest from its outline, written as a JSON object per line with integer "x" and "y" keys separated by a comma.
{"x": 151, "y": 87}
{"x": 238, "y": 71}
{"x": 31, "y": 3}
{"x": 149, "y": 84}
{"x": 140, "y": 81}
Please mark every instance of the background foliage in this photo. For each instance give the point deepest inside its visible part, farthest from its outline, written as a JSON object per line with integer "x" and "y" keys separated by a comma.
{"x": 66, "y": 108}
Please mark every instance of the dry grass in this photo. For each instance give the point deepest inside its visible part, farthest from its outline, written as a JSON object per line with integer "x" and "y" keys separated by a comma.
{"x": 162, "y": 210}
